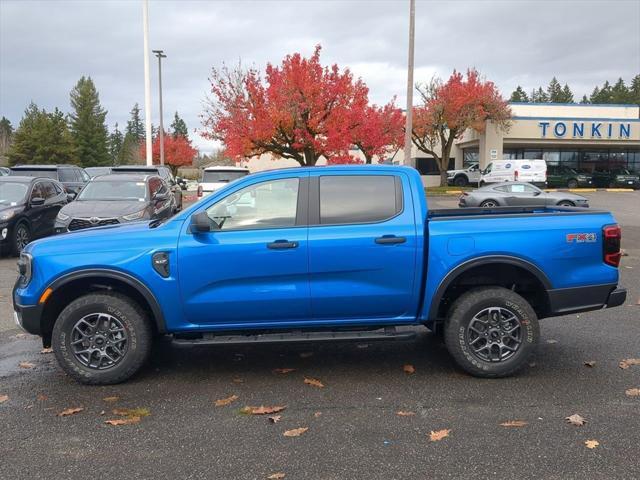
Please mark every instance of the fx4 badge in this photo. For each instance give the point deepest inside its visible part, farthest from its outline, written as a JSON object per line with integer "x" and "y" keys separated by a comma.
{"x": 581, "y": 237}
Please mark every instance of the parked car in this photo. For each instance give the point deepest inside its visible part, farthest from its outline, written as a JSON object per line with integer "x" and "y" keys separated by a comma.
{"x": 164, "y": 172}
{"x": 332, "y": 253}
{"x": 512, "y": 194}
{"x": 71, "y": 177}
{"x": 616, "y": 178}
{"x": 532, "y": 171}
{"x": 214, "y": 178}
{"x": 115, "y": 199}
{"x": 462, "y": 178}
{"x": 97, "y": 171}
{"x": 562, "y": 176}
{"x": 4, "y": 171}
{"x": 28, "y": 209}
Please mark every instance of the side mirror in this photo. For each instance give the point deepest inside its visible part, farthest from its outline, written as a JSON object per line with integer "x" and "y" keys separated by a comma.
{"x": 200, "y": 222}
{"x": 161, "y": 197}
{"x": 535, "y": 194}
{"x": 35, "y": 201}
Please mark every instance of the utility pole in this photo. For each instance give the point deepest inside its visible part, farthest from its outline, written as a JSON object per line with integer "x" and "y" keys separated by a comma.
{"x": 408, "y": 126}
{"x": 160, "y": 55}
{"x": 147, "y": 82}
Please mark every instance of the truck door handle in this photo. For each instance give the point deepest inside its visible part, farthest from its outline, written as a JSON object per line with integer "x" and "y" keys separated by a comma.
{"x": 390, "y": 240}
{"x": 282, "y": 245}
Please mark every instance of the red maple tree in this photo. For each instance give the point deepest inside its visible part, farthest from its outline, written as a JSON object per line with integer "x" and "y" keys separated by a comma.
{"x": 448, "y": 109}
{"x": 178, "y": 152}
{"x": 302, "y": 111}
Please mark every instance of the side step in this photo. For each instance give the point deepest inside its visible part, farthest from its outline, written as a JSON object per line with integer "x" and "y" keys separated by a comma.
{"x": 299, "y": 336}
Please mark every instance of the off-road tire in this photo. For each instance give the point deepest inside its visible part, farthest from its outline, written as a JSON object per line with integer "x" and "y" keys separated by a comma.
{"x": 463, "y": 311}
{"x": 128, "y": 313}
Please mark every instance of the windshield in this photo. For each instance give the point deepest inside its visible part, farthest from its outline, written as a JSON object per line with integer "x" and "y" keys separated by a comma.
{"x": 12, "y": 193}
{"x": 35, "y": 173}
{"x": 114, "y": 190}
{"x": 220, "y": 176}
{"x": 95, "y": 171}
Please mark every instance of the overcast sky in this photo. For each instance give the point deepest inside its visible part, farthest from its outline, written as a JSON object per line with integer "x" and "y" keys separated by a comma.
{"x": 46, "y": 46}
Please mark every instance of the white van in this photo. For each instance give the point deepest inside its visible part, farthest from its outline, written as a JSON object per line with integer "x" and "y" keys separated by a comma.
{"x": 214, "y": 178}
{"x": 532, "y": 171}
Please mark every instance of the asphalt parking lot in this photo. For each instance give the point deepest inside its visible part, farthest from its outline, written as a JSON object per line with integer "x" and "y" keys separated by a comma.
{"x": 354, "y": 430}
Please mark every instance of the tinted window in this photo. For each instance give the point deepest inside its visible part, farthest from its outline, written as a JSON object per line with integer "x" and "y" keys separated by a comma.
{"x": 155, "y": 184}
{"x": 358, "y": 199}
{"x": 68, "y": 175}
{"x": 37, "y": 191}
{"x": 49, "y": 190}
{"x": 36, "y": 172}
{"x": 58, "y": 188}
{"x": 268, "y": 204}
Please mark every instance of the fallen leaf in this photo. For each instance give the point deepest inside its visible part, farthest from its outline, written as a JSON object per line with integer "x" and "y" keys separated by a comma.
{"x": 627, "y": 362}
{"x": 591, "y": 443}
{"x": 317, "y": 415}
{"x": 41, "y": 397}
{"x": 70, "y": 411}
{"x": 306, "y": 354}
{"x": 111, "y": 399}
{"x": 551, "y": 341}
{"x": 276, "y": 476}
{"x": 262, "y": 410}
{"x": 439, "y": 435}
{"x": 313, "y": 382}
{"x": 131, "y": 412}
{"x": 4, "y": 398}
{"x": 590, "y": 363}
{"x": 275, "y": 418}
{"x": 409, "y": 369}
{"x": 296, "y": 432}
{"x": 514, "y": 423}
{"x": 26, "y": 365}
{"x": 46, "y": 350}
{"x": 576, "y": 420}
{"x": 223, "y": 402}
{"x": 633, "y": 392}
{"x": 123, "y": 421}
{"x": 403, "y": 413}
{"x": 283, "y": 371}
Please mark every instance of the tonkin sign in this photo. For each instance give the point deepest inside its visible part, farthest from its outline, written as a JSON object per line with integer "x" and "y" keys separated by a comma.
{"x": 582, "y": 129}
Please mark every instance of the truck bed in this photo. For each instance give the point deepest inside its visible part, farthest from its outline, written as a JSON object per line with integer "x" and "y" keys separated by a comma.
{"x": 479, "y": 212}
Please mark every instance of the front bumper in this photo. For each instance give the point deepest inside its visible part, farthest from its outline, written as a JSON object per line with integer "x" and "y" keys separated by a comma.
{"x": 28, "y": 317}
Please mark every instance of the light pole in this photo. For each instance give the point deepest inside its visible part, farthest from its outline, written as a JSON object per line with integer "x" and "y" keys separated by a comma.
{"x": 160, "y": 55}
{"x": 408, "y": 126}
{"x": 147, "y": 81}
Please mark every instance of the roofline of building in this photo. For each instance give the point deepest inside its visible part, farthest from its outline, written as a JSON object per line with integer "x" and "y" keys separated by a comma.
{"x": 627, "y": 105}
{"x": 577, "y": 119}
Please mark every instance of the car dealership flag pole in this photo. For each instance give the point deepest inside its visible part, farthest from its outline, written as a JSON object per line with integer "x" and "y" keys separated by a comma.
{"x": 409, "y": 113}
{"x": 147, "y": 82}
{"x": 160, "y": 54}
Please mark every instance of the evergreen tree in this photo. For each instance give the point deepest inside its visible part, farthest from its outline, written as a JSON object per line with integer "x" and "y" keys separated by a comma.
{"x": 87, "y": 124}
{"x": 135, "y": 127}
{"x": 518, "y": 95}
{"x": 539, "y": 96}
{"x": 602, "y": 95}
{"x": 594, "y": 95}
{"x": 634, "y": 90}
{"x": 554, "y": 91}
{"x": 116, "y": 140}
{"x": 6, "y": 132}
{"x": 584, "y": 100}
{"x": 179, "y": 127}
{"x": 567, "y": 94}
{"x": 620, "y": 93}
{"x": 42, "y": 137}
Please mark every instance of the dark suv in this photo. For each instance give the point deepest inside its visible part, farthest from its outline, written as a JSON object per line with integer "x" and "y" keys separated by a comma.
{"x": 164, "y": 172}
{"x": 616, "y": 177}
{"x": 72, "y": 177}
{"x": 558, "y": 176}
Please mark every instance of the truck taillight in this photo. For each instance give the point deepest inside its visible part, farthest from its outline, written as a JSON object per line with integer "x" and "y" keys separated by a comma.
{"x": 611, "y": 236}
{"x": 515, "y": 176}
{"x": 199, "y": 190}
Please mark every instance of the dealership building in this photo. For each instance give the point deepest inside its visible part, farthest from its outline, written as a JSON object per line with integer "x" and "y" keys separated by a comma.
{"x": 586, "y": 137}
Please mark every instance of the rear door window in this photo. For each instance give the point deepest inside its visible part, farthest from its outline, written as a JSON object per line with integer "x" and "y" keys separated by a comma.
{"x": 49, "y": 190}
{"x": 350, "y": 199}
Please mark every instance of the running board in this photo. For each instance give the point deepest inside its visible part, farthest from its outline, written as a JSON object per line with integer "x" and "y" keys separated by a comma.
{"x": 299, "y": 336}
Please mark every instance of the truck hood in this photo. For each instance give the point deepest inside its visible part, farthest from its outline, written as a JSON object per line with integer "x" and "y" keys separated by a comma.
{"x": 102, "y": 208}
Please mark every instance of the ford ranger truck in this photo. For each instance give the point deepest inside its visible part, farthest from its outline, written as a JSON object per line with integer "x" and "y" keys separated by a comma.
{"x": 317, "y": 254}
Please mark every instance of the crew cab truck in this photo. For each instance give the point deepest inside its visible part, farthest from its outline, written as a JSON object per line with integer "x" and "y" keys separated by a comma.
{"x": 317, "y": 254}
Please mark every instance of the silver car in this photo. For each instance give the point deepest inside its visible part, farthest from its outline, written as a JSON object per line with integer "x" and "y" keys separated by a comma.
{"x": 518, "y": 194}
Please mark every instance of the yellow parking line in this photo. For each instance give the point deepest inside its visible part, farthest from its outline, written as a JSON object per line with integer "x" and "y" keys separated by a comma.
{"x": 454, "y": 191}
{"x": 583, "y": 189}
{"x": 550, "y": 189}
{"x": 618, "y": 189}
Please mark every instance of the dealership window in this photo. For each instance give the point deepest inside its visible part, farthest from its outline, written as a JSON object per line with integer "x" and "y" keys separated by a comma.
{"x": 580, "y": 159}
{"x": 470, "y": 156}
{"x": 552, "y": 157}
{"x": 429, "y": 166}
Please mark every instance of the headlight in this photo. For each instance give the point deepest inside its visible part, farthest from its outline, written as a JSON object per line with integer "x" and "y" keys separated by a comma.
{"x": 62, "y": 216}
{"x": 582, "y": 178}
{"x": 7, "y": 214}
{"x": 25, "y": 268}
{"x": 134, "y": 216}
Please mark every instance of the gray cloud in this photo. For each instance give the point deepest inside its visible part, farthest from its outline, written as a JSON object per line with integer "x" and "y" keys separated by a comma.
{"x": 46, "y": 46}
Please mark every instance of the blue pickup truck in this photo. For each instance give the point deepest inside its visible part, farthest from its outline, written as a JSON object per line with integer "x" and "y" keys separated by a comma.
{"x": 317, "y": 254}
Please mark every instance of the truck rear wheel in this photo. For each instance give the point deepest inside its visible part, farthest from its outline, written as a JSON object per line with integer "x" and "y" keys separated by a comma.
{"x": 491, "y": 332}
{"x": 102, "y": 338}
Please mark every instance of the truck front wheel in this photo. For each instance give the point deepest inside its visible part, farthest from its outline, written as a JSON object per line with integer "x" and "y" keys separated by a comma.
{"x": 491, "y": 332}
{"x": 102, "y": 338}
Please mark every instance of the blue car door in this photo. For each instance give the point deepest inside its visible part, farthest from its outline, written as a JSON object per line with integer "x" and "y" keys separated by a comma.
{"x": 253, "y": 268}
{"x": 362, "y": 247}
